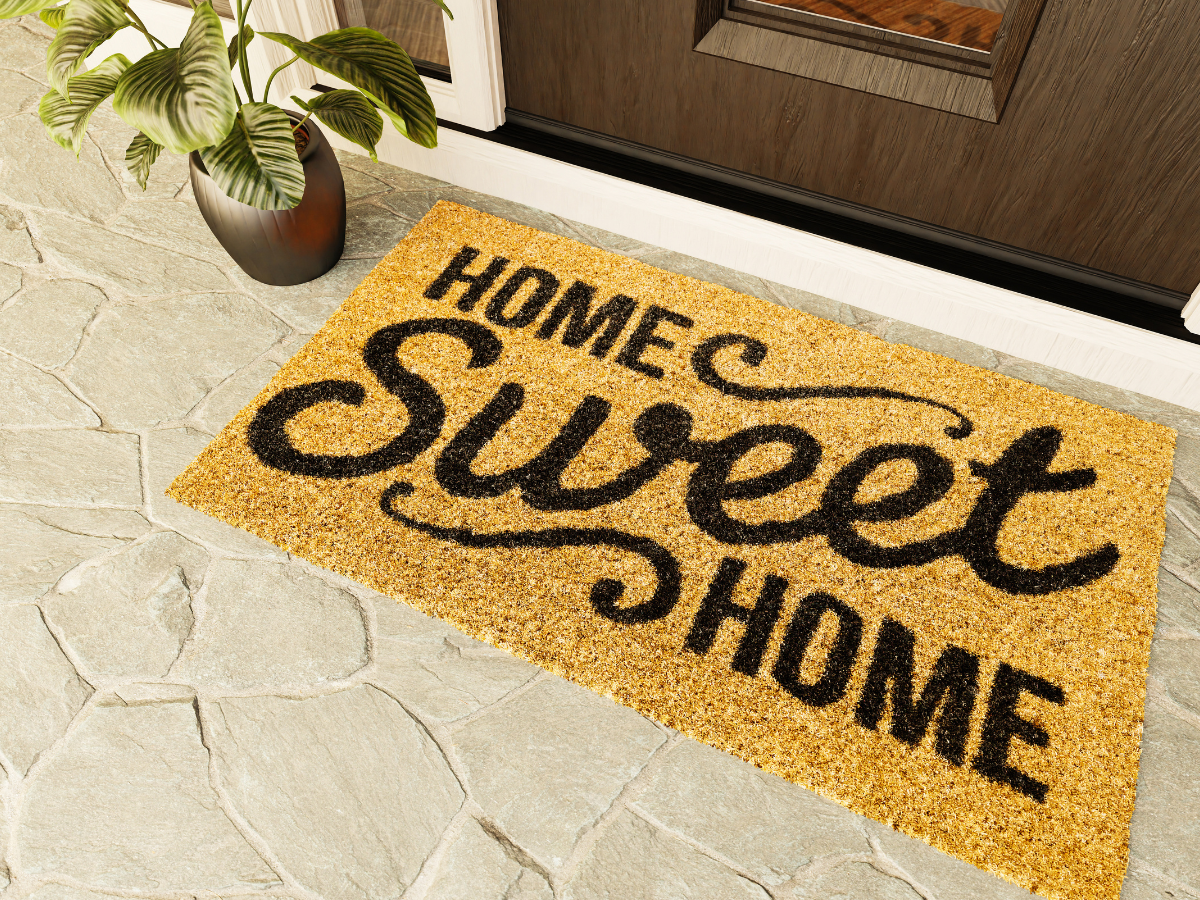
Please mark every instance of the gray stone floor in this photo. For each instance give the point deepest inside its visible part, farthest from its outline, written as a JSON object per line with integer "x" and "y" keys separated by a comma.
{"x": 185, "y": 711}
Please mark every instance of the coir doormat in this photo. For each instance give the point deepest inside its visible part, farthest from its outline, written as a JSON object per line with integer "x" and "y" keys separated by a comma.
{"x": 921, "y": 589}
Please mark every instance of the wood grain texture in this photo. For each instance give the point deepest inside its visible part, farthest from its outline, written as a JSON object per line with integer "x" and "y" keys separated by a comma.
{"x": 864, "y": 70}
{"x": 1095, "y": 160}
{"x": 938, "y": 20}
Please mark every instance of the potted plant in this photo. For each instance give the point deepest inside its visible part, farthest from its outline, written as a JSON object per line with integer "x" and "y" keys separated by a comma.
{"x": 265, "y": 179}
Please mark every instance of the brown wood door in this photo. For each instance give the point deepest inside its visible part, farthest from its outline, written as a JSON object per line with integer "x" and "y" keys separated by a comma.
{"x": 1095, "y": 159}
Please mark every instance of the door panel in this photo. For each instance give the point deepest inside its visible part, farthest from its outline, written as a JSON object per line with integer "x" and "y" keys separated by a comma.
{"x": 1095, "y": 159}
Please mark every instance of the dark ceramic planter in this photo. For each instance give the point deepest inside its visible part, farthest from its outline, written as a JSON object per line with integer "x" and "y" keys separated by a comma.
{"x": 288, "y": 246}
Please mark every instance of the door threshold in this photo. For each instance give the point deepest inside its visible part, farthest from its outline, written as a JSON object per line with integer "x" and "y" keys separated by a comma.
{"x": 1012, "y": 321}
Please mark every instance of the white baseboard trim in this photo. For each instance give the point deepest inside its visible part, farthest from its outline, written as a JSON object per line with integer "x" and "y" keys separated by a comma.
{"x": 1026, "y": 327}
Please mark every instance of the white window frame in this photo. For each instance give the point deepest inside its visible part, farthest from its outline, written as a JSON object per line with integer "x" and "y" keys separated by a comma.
{"x": 475, "y": 95}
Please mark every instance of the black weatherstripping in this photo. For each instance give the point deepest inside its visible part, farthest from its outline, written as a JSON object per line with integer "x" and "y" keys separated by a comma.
{"x": 1076, "y": 287}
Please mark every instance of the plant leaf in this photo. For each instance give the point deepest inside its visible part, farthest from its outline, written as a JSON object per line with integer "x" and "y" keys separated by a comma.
{"x": 140, "y": 157}
{"x": 10, "y": 9}
{"x": 257, "y": 164}
{"x": 86, "y": 24}
{"x": 350, "y": 114}
{"x": 182, "y": 99}
{"x": 247, "y": 35}
{"x": 67, "y": 120}
{"x": 53, "y": 16}
{"x": 445, "y": 9}
{"x": 379, "y": 68}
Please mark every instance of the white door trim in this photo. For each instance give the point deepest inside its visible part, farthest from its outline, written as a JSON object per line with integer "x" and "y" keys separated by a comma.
{"x": 475, "y": 95}
{"x": 1086, "y": 345}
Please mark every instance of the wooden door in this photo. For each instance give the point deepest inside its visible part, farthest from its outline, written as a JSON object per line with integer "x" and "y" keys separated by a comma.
{"x": 1094, "y": 159}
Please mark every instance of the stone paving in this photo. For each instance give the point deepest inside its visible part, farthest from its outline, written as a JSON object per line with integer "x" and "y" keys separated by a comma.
{"x": 186, "y": 711}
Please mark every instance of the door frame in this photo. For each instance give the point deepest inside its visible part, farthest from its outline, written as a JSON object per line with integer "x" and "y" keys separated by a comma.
{"x": 475, "y": 95}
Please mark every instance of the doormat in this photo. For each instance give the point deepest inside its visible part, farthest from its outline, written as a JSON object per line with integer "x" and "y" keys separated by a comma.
{"x": 921, "y": 589}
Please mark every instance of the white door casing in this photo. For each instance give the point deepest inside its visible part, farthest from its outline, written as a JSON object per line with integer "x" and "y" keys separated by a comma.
{"x": 474, "y": 97}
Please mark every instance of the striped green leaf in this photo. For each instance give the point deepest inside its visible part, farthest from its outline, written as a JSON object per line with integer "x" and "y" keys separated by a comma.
{"x": 348, "y": 113}
{"x": 67, "y": 120}
{"x": 10, "y": 9}
{"x": 182, "y": 99}
{"x": 445, "y": 9}
{"x": 257, "y": 164}
{"x": 247, "y": 35}
{"x": 86, "y": 24}
{"x": 140, "y": 157}
{"x": 378, "y": 68}
{"x": 53, "y": 16}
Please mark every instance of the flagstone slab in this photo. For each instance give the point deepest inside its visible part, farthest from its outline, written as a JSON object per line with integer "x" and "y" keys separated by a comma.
{"x": 169, "y": 451}
{"x": 41, "y": 545}
{"x": 128, "y": 615}
{"x": 475, "y": 867}
{"x": 855, "y": 881}
{"x": 761, "y": 822}
{"x": 231, "y": 398}
{"x": 71, "y": 467}
{"x": 40, "y": 692}
{"x": 175, "y": 224}
{"x": 153, "y": 361}
{"x": 169, "y": 173}
{"x": 1176, "y": 663}
{"x": 635, "y": 861}
{"x": 399, "y": 621}
{"x": 360, "y": 184}
{"x": 17, "y": 93}
{"x": 304, "y": 630}
{"x": 10, "y": 281}
{"x": 126, "y": 803}
{"x": 20, "y": 49}
{"x": 608, "y": 240}
{"x": 134, "y": 266}
{"x": 346, "y": 789}
{"x": 1165, "y": 830}
{"x": 1178, "y": 603}
{"x": 441, "y": 683}
{"x": 549, "y": 762}
{"x": 40, "y": 173}
{"x": 34, "y": 398}
{"x": 372, "y": 230}
{"x": 46, "y": 325}
{"x": 307, "y": 306}
{"x": 1182, "y": 547}
{"x": 946, "y": 877}
{"x": 16, "y": 245}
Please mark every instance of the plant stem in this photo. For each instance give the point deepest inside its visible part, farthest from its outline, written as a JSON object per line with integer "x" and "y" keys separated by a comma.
{"x": 274, "y": 72}
{"x": 243, "y": 62}
{"x": 139, "y": 25}
{"x": 301, "y": 122}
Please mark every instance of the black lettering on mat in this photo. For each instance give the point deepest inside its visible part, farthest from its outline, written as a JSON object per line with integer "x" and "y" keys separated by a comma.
{"x": 951, "y": 686}
{"x": 718, "y": 605}
{"x": 1002, "y": 723}
{"x": 644, "y": 337}
{"x": 839, "y": 663}
{"x": 477, "y": 285}
{"x": 575, "y": 307}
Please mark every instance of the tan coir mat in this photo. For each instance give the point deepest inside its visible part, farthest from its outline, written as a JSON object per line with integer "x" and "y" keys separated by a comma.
{"x": 921, "y": 589}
